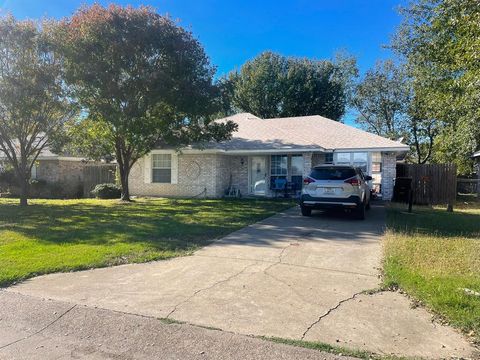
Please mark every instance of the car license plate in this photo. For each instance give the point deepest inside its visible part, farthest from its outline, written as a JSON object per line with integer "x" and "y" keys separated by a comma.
{"x": 329, "y": 191}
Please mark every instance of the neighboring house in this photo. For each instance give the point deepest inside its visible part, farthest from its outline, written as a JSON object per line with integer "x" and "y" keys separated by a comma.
{"x": 64, "y": 174}
{"x": 476, "y": 157}
{"x": 261, "y": 151}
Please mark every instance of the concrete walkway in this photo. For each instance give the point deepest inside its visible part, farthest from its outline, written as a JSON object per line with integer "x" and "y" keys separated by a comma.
{"x": 288, "y": 276}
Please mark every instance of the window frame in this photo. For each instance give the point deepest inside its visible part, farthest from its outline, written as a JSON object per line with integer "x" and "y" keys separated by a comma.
{"x": 351, "y": 155}
{"x": 278, "y": 174}
{"x": 161, "y": 167}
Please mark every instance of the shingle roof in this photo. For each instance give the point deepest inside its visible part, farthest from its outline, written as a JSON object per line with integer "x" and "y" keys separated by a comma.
{"x": 302, "y": 132}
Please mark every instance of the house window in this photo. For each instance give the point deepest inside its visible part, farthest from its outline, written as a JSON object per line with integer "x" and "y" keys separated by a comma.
{"x": 278, "y": 168}
{"x": 162, "y": 168}
{"x": 376, "y": 162}
{"x": 279, "y": 165}
{"x": 376, "y": 167}
{"x": 33, "y": 174}
{"x": 360, "y": 160}
{"x": 344, "y": 158}
{"x": 297, "y": 171}
{"x": 328, "y": 158}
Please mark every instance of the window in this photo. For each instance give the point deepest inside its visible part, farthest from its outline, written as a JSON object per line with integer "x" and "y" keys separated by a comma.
{"x": 297, "y": 171}
{"x": 376, "y": 167}
{"x": 33, "y": 174}
{"x": 278, "y": 168}
{"x": 376, "y": 162}
{"x": 356, "y": 159}
{"x": 162, "y": 168}
{"x": 279, "y": 165}
{"x": 328, "y": 158}
{"x": 297, "y": 165}
{"x": 360, "y": 160}
{"x": 344, "y": 158}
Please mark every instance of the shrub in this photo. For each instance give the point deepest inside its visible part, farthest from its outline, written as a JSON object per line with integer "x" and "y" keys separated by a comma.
{"x": 8, "y": 177}
{"x": 107, "y": 191}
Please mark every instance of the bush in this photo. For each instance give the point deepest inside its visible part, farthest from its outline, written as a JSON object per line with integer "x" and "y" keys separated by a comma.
{"x": 8, "y": 177}
{"x": 107, "y": 191}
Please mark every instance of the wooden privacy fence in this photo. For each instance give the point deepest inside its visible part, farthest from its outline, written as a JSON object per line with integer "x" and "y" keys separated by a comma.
{"x": 432, "y": 184}
{"x": 94, "y": 174}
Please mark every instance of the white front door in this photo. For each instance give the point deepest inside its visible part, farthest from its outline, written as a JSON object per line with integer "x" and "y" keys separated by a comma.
{"x": 258, "y": 175}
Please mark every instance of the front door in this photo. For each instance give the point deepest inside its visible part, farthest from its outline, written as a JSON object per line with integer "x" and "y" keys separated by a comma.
{"x": 258, "y": 175}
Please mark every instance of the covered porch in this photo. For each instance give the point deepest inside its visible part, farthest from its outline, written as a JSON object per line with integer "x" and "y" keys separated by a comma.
{"x": 281, "y": 173}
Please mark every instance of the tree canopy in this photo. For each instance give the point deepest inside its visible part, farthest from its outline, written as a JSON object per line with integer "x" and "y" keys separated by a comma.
{"x": 386, "y": 105}
{"x": 272, "y": 85}
{"x": 440, "y": 43}
{"x": 34, "y": 102}
{"x": 142, "y": 80}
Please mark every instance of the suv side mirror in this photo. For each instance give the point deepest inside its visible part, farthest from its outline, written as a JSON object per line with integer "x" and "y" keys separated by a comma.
{"x": 368, "y": 178}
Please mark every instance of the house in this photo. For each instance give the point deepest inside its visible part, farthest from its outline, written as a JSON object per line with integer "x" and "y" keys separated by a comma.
{"x": 62, "y": 175}
{"x": 261, "y": 151}
{"x": 476, "y": 158}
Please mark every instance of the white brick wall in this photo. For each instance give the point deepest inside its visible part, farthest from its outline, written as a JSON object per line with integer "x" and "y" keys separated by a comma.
{"x": 307, "y": 163}
{"x": 196, "y": 173}
{"x": 389, "y": 171}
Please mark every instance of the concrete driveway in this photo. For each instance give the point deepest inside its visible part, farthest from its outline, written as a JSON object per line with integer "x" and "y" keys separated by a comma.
{"x": 288, "y": 276}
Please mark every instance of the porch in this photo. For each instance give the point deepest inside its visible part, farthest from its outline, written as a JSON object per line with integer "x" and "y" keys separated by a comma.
{"x": 274, "y": 174}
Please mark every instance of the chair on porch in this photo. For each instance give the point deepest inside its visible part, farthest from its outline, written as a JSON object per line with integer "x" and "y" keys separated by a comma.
{"x": 279, "y": 185}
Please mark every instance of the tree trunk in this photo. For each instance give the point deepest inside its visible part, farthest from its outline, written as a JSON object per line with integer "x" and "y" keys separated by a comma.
{"x": 23, "y": 190}
{"x": 124, "y": 173}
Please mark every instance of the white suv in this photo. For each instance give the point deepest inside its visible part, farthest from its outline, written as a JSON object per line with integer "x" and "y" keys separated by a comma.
{"x": 336, "y": 186}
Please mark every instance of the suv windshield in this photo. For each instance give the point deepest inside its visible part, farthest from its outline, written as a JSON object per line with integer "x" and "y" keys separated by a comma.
{"x": 332, "y": 173}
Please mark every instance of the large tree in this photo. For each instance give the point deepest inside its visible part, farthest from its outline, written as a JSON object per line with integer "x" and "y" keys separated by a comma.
{"x": 33, "y": 100}
{"x": 272, "y": 85}
{"x": 381, "y": 100}
{"x": 440, "y": 42}
{"x": 143, "y": 82}
{"x": 386, "y": 105}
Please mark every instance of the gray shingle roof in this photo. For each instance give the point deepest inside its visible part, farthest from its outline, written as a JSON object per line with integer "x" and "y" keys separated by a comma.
{"x": 302, "y": 132}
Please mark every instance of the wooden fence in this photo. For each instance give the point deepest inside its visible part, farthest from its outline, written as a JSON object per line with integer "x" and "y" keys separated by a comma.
{"x": 468, "y": 186}
{"x": 432, "y": 184}
{"x": 95, "y": 174}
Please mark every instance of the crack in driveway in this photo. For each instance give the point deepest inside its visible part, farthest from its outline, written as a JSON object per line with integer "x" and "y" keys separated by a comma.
{"x": 39, "y": 331}
{"x": 329, "y": 311}
{"x": 175, "y": 308}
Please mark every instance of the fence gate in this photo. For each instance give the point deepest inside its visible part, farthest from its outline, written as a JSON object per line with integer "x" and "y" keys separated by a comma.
{"x": 94, "y": 174}
{"x": 432, "y": 184}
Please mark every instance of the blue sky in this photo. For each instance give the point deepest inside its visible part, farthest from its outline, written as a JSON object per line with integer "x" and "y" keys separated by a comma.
{"x": 235, "y": 31}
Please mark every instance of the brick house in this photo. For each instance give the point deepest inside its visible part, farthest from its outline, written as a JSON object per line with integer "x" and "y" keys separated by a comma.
{"x": 62, "y": 175}
{"x": 261, "y": 151}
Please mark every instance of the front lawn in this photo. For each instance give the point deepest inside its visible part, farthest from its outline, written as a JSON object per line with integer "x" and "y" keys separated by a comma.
{"x": 62, "y": 235}
{"x": 434, "y": 255}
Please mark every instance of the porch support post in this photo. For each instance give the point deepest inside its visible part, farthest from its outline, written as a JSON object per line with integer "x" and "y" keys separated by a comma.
{"x": 307, "y": 163}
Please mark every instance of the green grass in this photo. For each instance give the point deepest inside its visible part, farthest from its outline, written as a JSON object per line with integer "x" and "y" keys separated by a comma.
{"x": 433, "y": 255}
{"x": 63, "y": 235}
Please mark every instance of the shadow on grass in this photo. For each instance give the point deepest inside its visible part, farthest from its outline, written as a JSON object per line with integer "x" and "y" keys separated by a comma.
{"x": 163, "y": 224}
